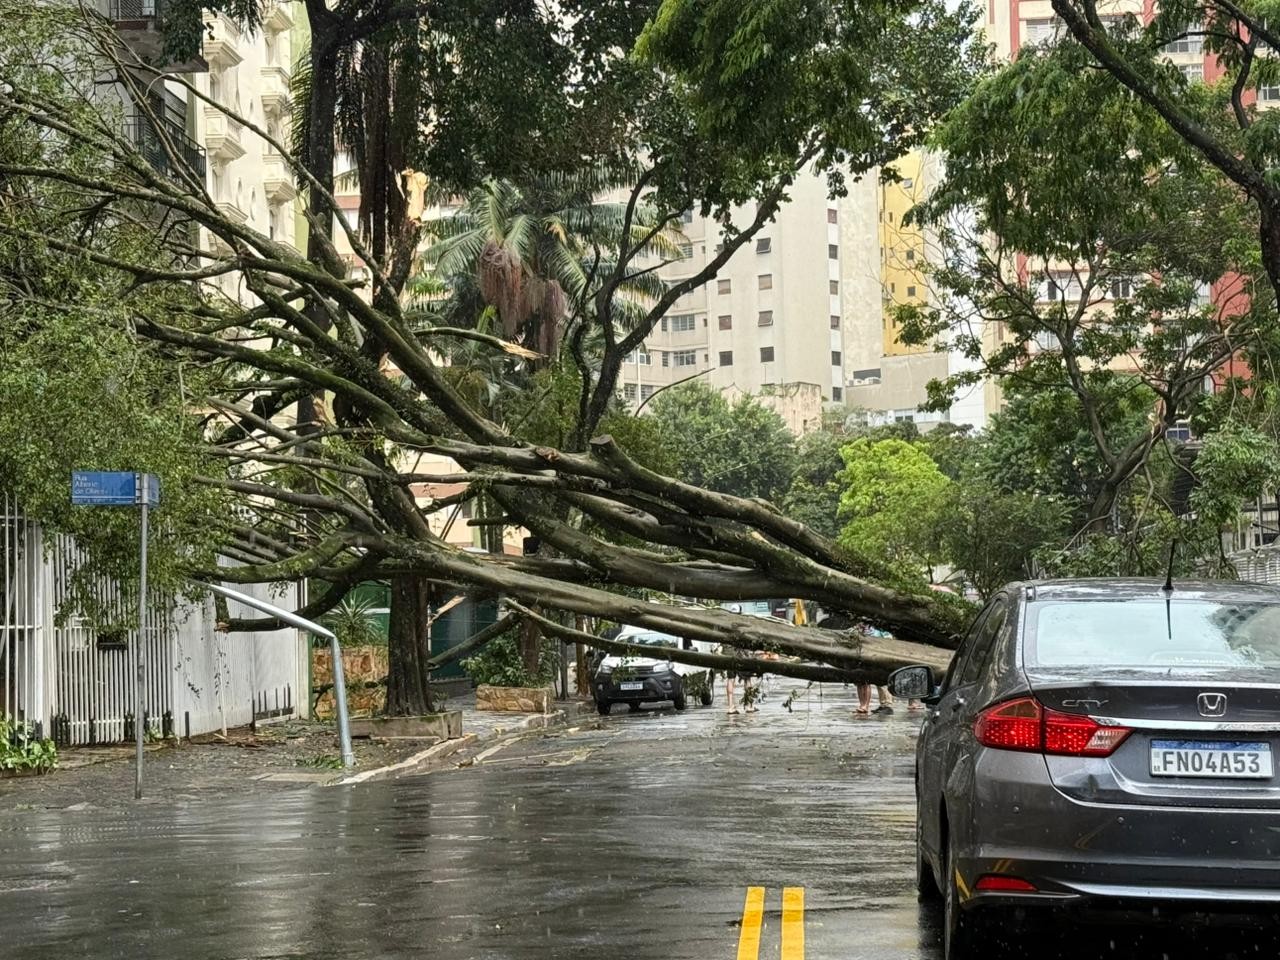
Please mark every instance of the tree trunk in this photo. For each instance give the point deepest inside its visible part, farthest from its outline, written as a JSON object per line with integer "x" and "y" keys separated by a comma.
{"x": 530, "y": 647}
{"x": 409, "y": 647}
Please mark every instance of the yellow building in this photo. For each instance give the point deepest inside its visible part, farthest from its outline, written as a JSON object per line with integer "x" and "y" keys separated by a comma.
{"x": 903, "y": 247}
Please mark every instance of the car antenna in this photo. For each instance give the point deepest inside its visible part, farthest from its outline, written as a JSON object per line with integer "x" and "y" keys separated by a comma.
{"x": 1168, "y": 591}
{"x": 1168, "y": 579}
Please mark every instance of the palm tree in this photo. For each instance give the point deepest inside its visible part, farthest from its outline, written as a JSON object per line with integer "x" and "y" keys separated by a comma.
{"x": 533, "y": 252}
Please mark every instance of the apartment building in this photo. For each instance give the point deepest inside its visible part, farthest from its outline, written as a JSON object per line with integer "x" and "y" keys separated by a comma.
{"x": 786, "y": 318}
{"x": 893, "y": 387}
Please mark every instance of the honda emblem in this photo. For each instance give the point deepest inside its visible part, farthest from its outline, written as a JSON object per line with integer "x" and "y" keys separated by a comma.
{"x": 1212, "y": 704}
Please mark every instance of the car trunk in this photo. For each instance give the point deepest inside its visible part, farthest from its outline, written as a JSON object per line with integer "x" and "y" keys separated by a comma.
{"x": 1201, "y": 736}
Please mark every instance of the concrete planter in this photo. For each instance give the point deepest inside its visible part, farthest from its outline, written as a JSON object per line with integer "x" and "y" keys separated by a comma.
{"x": 514, "y": 699}
{"x": 432, "y": 726}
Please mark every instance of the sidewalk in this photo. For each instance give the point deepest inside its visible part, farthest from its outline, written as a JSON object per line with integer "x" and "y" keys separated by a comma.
{"x": 282, "y": 756}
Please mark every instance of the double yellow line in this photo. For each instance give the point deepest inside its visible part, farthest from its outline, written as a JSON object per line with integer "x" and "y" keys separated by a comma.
{"x": 792, "y": 924}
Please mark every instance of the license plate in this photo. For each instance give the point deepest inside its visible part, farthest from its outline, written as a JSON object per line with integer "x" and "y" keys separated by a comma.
{"x": 1199, "y": 758}
{"x": 631, "y": 685}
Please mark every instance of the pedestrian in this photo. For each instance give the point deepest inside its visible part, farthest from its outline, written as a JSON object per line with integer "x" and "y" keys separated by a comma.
{"x": 886, "y": 700}
{"x": 864, "y": 699}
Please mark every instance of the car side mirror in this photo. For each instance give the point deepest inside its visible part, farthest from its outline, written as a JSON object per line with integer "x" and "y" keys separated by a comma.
{"x": 912, "y": 683}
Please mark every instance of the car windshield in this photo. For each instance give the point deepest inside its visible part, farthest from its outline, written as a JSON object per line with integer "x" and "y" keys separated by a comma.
{"x": 1152, "y": 633}
{"x": 654, "y": 640}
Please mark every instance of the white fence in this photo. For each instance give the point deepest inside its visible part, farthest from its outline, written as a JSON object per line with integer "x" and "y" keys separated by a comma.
{"x": 78, "y": 684}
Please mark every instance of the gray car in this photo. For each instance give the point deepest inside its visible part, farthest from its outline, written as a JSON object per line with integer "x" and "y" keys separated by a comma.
{"x": 1102, "y": 744}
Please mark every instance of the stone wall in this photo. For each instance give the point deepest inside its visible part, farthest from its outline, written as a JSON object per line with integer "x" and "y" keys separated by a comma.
{"x": 362, "y": 665}
{"x": 514, "y": 699}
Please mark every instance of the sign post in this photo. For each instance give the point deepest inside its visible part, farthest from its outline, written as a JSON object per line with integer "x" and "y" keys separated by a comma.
{"x": 113, "y": 488}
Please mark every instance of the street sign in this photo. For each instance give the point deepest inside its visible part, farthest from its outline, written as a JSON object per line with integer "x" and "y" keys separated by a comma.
{"x": 123, "y": 488}
{"x": 114, "y": 488}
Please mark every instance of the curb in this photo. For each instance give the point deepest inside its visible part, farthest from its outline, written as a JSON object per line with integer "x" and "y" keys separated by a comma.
{"x": 447, "y": 748}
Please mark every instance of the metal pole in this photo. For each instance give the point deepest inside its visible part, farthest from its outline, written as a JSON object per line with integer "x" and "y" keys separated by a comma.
{"x": 339, "y": 674}
{"x": 340, "y": 698}
{"x": 139, "y": 713}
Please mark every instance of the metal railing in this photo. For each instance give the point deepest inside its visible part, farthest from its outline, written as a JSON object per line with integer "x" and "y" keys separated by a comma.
{"x": 135, "y": 9}
{"x": 146, "y": 137}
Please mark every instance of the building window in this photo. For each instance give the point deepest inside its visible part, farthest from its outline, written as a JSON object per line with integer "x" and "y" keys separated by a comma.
{"x": 1041, "y": 30}
{"x": 893, "y": 288}
{"x": 1269, "y": 94}
{"x": 629, "y": 392}
{"x": 723, "y": 286}
{"x": 663, "y": 325}
{"x": 685, "y": 358}
{"x": 911, "y": 256}
{"x": 1121, "y": 288}
{"x": 687, "y": 216}
{"x": 646, "y": 391}
{"x": 766, "y": 354}
{"x": 835, "y": 358}
{"x": 835, "y": 322}
{"x": 833, "y": 287}
{"x": 911, "y": 291}
{"x": 908, "y": 183}
{"x": 686, "y": 251}
{"x": 764, "y": 245}
{"x": 644, "y": 359}
{"x": 1192, "y": 42}
{"x": 765, "y": 319}
{"x": 726, "y": 322}
{"x": 726, "y": 358}
{"x": 765, "y": 281}
{"x": 832, "y": 216}
{"x": 833, "y": 251}
{"x": 1060, "y": 286}
{"x": 666, "y": 358}
{"x": 683, "y": 323}
{"x": 837, "y": 394}
{"x": 1192, "y": 72}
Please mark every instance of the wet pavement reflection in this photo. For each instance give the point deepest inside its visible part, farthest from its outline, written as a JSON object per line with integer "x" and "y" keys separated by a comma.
{"x": 636, "y": 840}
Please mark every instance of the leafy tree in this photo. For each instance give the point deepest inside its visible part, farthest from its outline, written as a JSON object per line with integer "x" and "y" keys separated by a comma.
{"x": 740, "y": 447}
{"x": 331, "y": 499}
{"x": 893, "y": 492}
{"x": 992, "y": 536}
{"x": 1080, "y": 237}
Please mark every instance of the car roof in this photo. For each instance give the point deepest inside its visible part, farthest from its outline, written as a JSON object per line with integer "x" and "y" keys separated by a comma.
{"x": 1104, "y": 588}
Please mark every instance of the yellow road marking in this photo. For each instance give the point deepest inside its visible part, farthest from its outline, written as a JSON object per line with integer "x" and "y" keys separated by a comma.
{"x": 752, "y": 918}
{"x": 793, "y": 923}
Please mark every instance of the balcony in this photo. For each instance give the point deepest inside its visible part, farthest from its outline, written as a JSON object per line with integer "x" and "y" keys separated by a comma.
{"x": 275, "y": 92}
{"x": 150, "y": 142}
{"x": 277, "y": 16}
{"x": 231, "y": 211}
{"x": 223, "y": 136}
{"x": 277, "y": 179}
{"x": 221, "y": 41}
{"x": 138, "y": 23}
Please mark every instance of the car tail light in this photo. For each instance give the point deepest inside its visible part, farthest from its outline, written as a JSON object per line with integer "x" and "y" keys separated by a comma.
{"x": 1024, "y": 724}
{"x": 995, "y": 883}
{"x": 1014, "y": 725}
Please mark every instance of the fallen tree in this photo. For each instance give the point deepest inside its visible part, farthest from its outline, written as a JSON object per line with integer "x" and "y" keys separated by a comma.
{"x": 331, "y": 497}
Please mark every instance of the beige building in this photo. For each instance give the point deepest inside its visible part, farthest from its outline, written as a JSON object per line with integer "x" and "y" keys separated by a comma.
{"x": 249, "y": 73}
{"x": 786, "y": 310}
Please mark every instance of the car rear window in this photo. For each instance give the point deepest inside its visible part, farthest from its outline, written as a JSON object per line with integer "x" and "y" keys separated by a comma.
{"x": 1151, "y": 633}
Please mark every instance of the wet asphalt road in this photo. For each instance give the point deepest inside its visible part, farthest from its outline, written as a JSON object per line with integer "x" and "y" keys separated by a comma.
{"x": 636, "y": 840}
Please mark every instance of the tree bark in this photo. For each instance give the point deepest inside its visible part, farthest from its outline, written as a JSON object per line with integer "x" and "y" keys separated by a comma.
{"x": 409, "y": 647}
{"x": 530, "y": 647}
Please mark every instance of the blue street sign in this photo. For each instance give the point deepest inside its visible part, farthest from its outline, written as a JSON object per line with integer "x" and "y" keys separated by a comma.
{"x": 114, "y": 488}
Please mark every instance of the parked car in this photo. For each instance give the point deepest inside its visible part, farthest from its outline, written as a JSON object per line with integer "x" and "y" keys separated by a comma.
{"x": 1101, "y": 744}
{"x": 636, "y": 680}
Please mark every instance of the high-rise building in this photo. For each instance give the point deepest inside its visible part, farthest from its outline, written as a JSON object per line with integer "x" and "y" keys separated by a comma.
{"x": 893, "y": 385}
{"x": 782, "y": 316}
